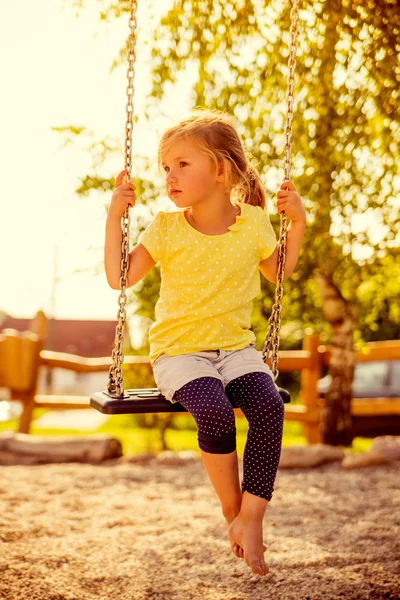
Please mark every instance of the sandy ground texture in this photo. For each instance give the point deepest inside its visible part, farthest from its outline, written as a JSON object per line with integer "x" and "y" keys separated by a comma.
{"x": 141, "y": 532}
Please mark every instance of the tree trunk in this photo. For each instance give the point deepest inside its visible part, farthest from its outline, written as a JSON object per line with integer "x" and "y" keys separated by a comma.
{"x": 336, "y": 426}
{"x": 20, "y": 448}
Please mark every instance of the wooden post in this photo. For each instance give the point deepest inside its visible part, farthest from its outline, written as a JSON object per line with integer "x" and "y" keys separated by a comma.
{"x": 19, "y": 369}
{"x": 28, "y": 404}
{"x": 309, "y": 390}
{"x": 40, "y": 325}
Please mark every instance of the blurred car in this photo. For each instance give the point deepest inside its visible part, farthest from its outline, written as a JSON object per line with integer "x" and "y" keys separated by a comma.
{"x": 375, "y": 379}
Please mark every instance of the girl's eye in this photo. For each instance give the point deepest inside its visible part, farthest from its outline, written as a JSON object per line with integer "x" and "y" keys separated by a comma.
{"x": 182, "y": 162}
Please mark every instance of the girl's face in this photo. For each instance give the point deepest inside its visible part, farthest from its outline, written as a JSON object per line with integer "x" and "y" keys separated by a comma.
{"x": 191, "y": 176}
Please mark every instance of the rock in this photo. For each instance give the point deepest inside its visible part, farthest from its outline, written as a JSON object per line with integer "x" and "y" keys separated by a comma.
{"x": 189, "y": 455}
{"x": 364, "y": 459}
{"x": 174, "y": 459}
{"x": 388, "y": 445}
{"x": 140, "y": 459}
{"x": 307, "y": 457}
{"x": 170, "y": 459}
{"x": 164, "y": 458}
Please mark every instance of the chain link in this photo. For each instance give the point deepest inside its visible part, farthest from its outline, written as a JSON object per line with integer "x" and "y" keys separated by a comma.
{"x": 115, "y": 375}
{"x": 115, "y": 382}
{"x": 274, "y": 322}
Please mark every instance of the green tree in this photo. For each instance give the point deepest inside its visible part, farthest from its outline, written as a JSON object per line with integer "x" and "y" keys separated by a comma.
{"x": 346, "y": 139}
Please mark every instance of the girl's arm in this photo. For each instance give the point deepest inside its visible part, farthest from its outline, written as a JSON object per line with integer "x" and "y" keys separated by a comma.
{"x": 140, "y": 261}
{"x": 289, "y": 201}
{"x": 294, "y": 237}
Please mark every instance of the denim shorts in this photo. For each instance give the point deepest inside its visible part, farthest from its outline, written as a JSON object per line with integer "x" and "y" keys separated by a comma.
{"x": 173, "y": 372}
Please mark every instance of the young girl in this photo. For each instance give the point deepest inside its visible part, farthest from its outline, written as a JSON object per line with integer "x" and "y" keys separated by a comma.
{"x": 202, "y": 348}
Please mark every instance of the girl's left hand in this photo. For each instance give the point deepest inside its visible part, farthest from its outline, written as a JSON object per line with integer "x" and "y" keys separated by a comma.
{"x": 290, "y": 201}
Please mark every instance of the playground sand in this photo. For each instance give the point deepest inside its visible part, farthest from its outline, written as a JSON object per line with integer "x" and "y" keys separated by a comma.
{"x": 141, "y": 532}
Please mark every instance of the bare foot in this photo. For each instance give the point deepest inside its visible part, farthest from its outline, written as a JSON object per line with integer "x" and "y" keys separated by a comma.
{"x": 236, "y": 549}
{"x": 247, "y": 535}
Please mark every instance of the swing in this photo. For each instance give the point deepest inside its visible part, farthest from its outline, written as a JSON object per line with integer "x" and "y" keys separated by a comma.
{"x": 116, "y": 400}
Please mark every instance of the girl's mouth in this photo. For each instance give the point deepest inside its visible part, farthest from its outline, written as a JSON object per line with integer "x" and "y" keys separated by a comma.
{"x": 175, "y": 192}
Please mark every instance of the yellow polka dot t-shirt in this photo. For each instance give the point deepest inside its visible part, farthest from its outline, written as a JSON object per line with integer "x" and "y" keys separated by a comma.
{"x": 208, "y": 281}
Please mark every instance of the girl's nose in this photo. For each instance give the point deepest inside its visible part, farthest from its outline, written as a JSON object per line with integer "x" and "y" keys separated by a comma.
{"x": 170, "y": 177}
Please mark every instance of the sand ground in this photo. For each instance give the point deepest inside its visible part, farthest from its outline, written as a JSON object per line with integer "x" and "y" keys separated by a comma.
{"x": 140, "y": 532}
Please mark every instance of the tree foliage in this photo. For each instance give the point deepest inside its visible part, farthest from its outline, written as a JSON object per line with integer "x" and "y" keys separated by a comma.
{"x": 346, "y": 135}
{"x": 346, "y": 130}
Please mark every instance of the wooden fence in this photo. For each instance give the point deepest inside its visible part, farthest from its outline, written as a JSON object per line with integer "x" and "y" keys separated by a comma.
{"x": 22, "y": 355}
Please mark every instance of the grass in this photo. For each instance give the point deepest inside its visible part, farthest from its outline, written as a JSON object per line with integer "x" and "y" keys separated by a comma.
{"x": 182, "y": 436}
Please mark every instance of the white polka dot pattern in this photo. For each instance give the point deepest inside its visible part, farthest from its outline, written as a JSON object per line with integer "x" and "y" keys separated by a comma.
{"x": 263, "y": 407}
{"x": 209, "y": 282}
{"x": 206, "y": 401}
{"x": 256, "y": 395}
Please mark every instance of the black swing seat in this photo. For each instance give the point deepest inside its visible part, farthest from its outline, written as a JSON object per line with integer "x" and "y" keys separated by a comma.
{"x": 143, "y": 401}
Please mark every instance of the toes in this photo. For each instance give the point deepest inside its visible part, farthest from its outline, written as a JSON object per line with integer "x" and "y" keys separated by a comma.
{"x": 257, "y": 567}
{"x": 236, "y": 550}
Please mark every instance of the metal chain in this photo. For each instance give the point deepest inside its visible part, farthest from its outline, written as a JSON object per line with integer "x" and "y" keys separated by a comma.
{"x": 274, "y": 322}
{"x": 116, "y": 382}
{"x": 115, "y": 375}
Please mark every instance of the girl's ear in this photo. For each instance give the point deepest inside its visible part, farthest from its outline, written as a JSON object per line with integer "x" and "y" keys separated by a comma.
{"x": 224, "y": 169}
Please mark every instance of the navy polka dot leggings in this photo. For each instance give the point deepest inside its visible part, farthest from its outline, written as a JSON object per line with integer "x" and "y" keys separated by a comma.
{"x": 256, "y": 395}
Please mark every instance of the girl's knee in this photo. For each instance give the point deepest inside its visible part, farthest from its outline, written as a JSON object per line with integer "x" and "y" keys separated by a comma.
{"x": 256, "y": 388}
{"x": 275, "y": 401}
{"x": 271, "y": 405}
{"x": 208, "y": 404}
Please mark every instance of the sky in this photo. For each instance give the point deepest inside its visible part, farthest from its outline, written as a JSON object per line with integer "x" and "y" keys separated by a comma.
{"x": 55, "y": 72}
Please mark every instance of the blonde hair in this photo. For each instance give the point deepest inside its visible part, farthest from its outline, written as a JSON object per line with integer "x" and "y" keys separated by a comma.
{"x": 215, "y": 134}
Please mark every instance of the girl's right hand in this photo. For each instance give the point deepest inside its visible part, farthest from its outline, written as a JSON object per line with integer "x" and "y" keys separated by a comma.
{"x": 123, "y": 195}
